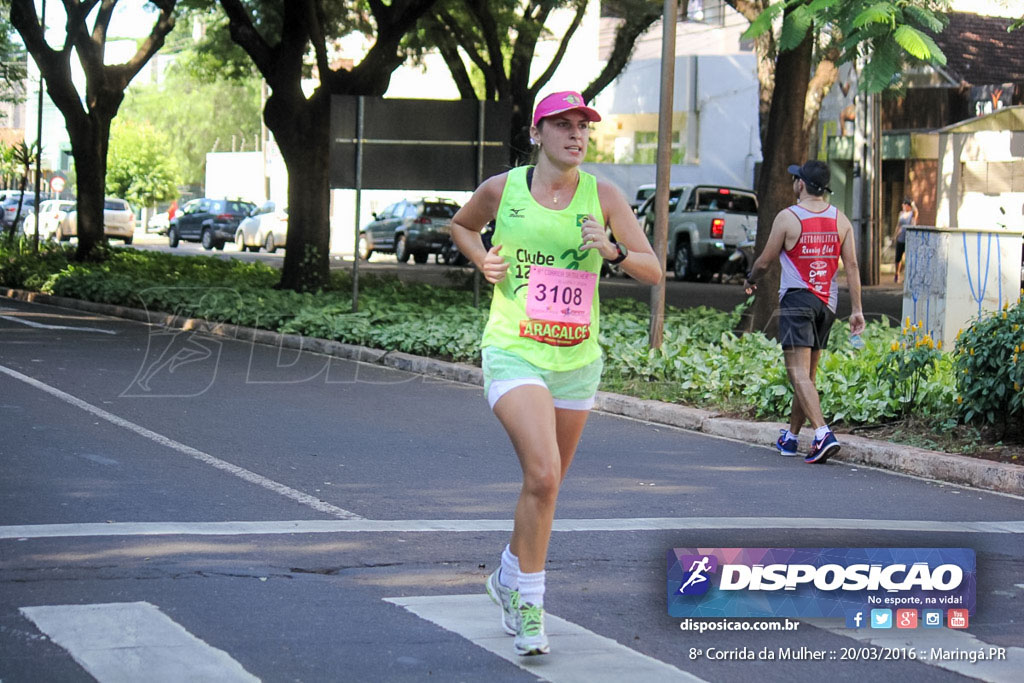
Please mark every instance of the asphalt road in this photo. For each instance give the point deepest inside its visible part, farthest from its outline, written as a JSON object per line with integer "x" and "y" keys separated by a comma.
{"x": 176, "y": 503}
{"x": 879, "y": 301}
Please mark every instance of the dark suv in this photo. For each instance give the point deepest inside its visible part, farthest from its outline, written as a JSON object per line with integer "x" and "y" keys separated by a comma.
{"x": 416, "y": 228}
{"x": 213, "y": 222}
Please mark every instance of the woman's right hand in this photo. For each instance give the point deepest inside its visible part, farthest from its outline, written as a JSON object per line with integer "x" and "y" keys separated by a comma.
{"x": 494, "y": 266}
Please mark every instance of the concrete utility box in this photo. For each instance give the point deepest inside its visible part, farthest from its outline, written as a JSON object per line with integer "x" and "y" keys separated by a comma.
{"x": 954, "y": 275}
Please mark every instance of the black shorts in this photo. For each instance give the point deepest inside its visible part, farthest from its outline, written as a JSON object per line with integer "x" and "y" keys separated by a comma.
{"x": 901, "y": 248}
{"x": 804, "y": 320}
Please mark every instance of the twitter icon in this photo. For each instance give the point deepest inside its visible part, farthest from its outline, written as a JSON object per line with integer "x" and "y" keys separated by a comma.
{"x": 881, "y": 618}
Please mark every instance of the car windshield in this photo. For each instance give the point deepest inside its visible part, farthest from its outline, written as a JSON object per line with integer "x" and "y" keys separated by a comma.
{"x": 715, "y": 199}
{"x": 240, "y": 207}
{"x": 114, "y": 205}
{"x": 439, "y": 210}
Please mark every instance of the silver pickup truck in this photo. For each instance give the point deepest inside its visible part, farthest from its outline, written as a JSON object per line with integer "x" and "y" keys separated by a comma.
{"x": 705, "y": 225}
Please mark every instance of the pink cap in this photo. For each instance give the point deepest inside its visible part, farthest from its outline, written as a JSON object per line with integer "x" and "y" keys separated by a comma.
{"x": 558, "y": 102}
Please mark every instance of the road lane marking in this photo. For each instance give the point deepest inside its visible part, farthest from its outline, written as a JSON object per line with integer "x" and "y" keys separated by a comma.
{"x": 42, "y": 326}
{"x": 576, "y": 653}
{"x": 947, "y": 640}
{"x": 324, "y": 526}
{"x": 133, "y": 641}
{"x": 223, "y": 465}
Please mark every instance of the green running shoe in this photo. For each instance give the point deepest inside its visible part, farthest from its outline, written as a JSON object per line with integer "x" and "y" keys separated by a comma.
{"x": 531, "y": 639}
{"x": 508, "y": 599}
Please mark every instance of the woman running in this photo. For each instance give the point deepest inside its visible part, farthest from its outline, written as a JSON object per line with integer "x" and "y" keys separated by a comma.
{"x": 541, "y": 358}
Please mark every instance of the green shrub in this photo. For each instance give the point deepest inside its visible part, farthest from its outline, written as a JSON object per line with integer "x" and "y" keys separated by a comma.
{"x": 989, "y": 364}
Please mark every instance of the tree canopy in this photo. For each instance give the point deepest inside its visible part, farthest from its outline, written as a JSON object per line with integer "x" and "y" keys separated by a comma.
{"x": 141, "y": 168}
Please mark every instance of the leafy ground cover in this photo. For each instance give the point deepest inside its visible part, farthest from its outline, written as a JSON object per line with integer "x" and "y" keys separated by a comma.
{"x": 901, "y": 386}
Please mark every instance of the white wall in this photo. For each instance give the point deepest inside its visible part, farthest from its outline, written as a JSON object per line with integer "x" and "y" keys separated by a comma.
{"x": 718, "y": 93}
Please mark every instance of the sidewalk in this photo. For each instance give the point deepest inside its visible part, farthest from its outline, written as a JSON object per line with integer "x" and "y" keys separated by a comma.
{"x": 944, "y": 467}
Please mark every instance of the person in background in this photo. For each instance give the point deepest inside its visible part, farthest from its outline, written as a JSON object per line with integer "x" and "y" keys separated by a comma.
{"x": 907, "y": 217}
{"x": 809, "y": 238}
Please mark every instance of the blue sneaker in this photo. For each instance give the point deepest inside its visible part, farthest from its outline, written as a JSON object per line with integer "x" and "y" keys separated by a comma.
{"x": 823, "y": 449}
{"x": 786, "y": 446}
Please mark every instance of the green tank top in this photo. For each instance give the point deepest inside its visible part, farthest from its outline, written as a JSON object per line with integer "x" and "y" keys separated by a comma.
{"x": 532, "y": 234}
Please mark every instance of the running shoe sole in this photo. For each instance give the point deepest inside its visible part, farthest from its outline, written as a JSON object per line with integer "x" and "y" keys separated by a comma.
{"x": 536, "y": 650}
{"x": 824, "y": 454}
{"x": 495, "y": 595}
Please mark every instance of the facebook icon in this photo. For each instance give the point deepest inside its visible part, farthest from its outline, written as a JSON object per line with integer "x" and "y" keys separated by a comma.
{"x": 855, "y": 619}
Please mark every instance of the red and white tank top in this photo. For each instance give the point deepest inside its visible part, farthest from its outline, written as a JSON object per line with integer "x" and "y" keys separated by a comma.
{"x": 813, "y": 261}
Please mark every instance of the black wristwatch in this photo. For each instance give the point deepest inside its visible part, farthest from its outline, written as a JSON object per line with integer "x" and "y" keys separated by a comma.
{"x": 623, "y": 253}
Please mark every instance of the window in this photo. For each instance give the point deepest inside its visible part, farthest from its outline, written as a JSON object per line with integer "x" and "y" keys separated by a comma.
{"x": 439, "y": 210}
{"x": 114, "y": 205}
{"x": 645, "y": 149}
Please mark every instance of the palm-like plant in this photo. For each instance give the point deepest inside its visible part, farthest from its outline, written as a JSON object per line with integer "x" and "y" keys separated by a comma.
{"x": 24, "y": 156}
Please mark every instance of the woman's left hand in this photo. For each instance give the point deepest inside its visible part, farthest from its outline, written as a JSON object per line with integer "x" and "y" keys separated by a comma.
{"x": 596, "y": 237}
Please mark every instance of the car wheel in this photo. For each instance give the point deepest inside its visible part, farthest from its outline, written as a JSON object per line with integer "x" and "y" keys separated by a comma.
{"x": 219, "y": 246}
{"x": 420, "y": 257}
{"x": 268, "y": 244}
{"x": 128, "y": 240}
{"x": 207, "y": 239}
{"x": 402, "y": 249}
{"x": 683, "y": 267}
{"x": 172, "y": 237}
{"x": 365, "y": 252}
{"x": 240, "y": 241}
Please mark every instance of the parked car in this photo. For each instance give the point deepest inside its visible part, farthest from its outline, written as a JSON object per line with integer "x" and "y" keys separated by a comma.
{"x": 453, "y": 257}
{"x": 9, "y": 208}
{"x": 51, "y": 213}
{"x": 212, "y": 222}
{"x": 706, "y": 224}
{"x": 416, "y": 227}
{"x": 643, "y": 193}
{"x": 118, "y": 221}
{"x": 265, "y": 227}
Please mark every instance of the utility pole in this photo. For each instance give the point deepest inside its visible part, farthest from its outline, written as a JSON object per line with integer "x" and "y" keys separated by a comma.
{"x": 664, "y": 167}
{"x": 39, "y": 141}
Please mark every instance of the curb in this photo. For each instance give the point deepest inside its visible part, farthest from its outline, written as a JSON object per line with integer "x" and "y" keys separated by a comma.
{"x": 954, "y": 469}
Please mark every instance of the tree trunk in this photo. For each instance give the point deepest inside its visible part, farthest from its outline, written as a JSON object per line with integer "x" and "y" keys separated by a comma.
{"x": 785, "y": 143}
{"x": 89, "y": 141}
{"x": 302, "y": 130}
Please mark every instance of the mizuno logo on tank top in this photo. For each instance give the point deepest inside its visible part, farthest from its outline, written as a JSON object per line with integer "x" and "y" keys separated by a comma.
{"x": 813, "y": 261}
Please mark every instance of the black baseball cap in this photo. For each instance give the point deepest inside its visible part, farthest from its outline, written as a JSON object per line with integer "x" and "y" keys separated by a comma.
{"x": 814, "y": 173}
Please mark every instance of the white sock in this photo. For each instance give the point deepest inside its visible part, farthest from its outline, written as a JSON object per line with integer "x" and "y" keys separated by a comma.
{"x": 531, "y": 588}
{"x": 509, "y": 574}
{"x": 821, "y": 432}
{"x": 790, "y": 435}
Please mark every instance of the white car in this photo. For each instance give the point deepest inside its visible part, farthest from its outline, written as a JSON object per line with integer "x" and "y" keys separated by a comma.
{"x": 51, "y": 213}
{"x": 118, "y": 221}
{"x": 265, "y": 227}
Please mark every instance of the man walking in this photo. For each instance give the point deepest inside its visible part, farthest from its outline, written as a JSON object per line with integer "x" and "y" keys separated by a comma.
{"x": 808, "y": 239}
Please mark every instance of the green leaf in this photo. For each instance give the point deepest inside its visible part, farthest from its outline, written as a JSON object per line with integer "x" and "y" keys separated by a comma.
{"x": 925, "y": 17}
{"x": 912, "y": 40}
{"x": 763, "y": 22}
{"x": 795, "y": 27}
{"x": 880, "y": 13}
{"x": 882, "y": 66}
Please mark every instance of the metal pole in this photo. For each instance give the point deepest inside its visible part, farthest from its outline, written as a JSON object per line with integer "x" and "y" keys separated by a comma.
{"x": 480, "y": 132}
{"x": 874, "y": 246}
{"x": 359, "y": 196}
{"x": 664, "y": 166}
{"x": 39, "y": 140}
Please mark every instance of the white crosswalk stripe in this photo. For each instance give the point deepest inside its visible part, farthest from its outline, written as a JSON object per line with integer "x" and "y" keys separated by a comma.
{"x": 578, "y": 655}
{"x": 134, "y": 641}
